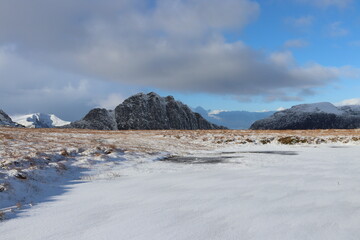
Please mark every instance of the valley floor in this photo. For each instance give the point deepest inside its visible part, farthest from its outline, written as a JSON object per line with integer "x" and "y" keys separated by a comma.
{"x": 72, "y": 184}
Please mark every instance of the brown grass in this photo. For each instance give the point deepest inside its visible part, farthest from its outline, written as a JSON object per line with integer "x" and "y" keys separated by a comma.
{"x": 29, "y": 143}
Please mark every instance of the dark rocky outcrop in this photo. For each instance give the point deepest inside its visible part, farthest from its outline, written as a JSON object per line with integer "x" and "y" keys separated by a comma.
{"x": 98, "y": 119}
{"x": 145, "y": 112}
{"x": 150, "y": 111}
{"x": 5, "y": 120}
{"x": 311, "y": 116}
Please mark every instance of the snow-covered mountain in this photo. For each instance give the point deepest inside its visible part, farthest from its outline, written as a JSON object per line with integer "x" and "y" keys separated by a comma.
{"x": 39, "y": 120}
{"x": 323, "y": 115}
{"x": 5, "y": 120}
{"x": 232, "y": 119}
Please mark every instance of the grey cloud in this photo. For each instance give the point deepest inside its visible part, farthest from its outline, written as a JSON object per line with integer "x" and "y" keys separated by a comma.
{"x": 217, "y": 68}
{"x": 296, "y": 43}
{"x": 176, "y": 45}
{"x": 27, "y": 87}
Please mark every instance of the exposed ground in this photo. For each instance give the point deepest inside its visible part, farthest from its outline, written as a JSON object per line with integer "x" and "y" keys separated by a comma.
{"x": 17, "y": 142}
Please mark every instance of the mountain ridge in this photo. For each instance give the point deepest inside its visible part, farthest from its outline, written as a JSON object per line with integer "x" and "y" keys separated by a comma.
{"x": 323, "y": 115}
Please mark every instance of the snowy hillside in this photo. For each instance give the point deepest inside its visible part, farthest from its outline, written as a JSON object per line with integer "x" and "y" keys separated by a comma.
{"x": 39, "y": 120}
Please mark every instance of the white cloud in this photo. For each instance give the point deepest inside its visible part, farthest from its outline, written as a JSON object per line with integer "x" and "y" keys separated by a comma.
{"x": 300, "y": 22}
{"x": 335, "y": 29}
{"x": 355, "y": 43}
{"x": 216, "y": 112}
{"x": 280, "y": 109}
{"x": 328, "y": 3}
{"x": 111, "y": 101}
{"x": 296, "y": 43}
{"x": 352, "y": 101}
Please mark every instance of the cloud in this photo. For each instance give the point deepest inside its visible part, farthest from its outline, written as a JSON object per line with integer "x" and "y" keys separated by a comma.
{"x": 354, "y": 43}
{"x": 216, "y": 67}
{"x": 27, "y": 87}
{"x": 172, "y": 45}
{"x": 111, "y": 101}
{"x": 335, "y": 29}
{"x": 300, "y": 22}
{"x": 352, "y": 101}
{"x": 328, "y": 3}
{"x": 280, "y": 109}
{"x": 216, "y": 112}
{"x": 296, "y": 43}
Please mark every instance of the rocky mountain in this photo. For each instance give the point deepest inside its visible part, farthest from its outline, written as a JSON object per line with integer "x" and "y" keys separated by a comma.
{"x": 145, "y": 111}
{"x": 98, "y": 119}
{"x": 5, "y": 120}
{"x": 322, "y": 115}
{"x": 39, "y": 120}
{"x": 232, "y": 119}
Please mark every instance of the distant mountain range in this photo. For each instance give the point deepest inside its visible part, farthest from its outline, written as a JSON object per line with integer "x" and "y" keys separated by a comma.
{"x": 145, "y": 112}
{"x": 233, "y": 119}
{"x": 322, "y": 115}
{"x": 39, "y": 120}
{"x": 150, "y": 111}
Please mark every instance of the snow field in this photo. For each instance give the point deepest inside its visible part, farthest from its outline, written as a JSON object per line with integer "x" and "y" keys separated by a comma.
{"x": 130, "y": 184}
{"x": 258, "y": 195}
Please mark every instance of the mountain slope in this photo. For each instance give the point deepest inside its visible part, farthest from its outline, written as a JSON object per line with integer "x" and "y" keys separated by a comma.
{"x": 39, "y": 120}
{"x": 98, "y": 119}
{"x": 312, "y": 116}
{"x": 5, "y": 120}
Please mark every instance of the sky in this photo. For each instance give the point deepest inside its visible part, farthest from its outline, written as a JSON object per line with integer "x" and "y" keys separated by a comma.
{"x": 67, "y": 57}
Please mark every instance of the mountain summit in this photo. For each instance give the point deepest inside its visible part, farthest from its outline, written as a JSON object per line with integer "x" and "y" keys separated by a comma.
{"x": 145, "y": 112}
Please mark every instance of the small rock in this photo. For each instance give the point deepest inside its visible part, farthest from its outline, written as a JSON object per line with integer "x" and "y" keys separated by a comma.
{"x": 21, "y": 175}
{"x": 2, "y": 188}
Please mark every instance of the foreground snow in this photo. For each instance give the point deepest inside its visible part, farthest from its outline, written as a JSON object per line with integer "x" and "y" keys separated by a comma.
{"x": 255, "y": 192}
